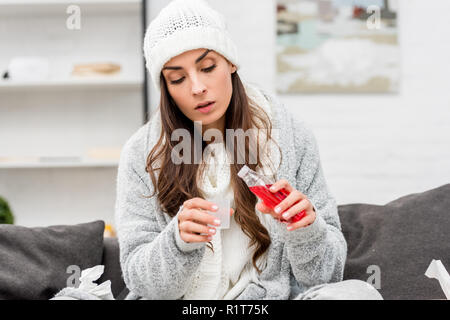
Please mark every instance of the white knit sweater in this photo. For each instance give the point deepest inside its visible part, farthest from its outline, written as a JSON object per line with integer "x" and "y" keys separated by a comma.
{"x": 225, "y": 272}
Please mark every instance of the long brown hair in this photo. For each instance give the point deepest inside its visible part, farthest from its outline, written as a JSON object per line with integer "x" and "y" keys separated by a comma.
{"x": 172, "y": 192}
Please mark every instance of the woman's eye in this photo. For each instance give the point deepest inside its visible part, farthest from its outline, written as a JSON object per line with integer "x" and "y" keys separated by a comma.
{"x": 209, "y": 69}
{"x": 177, "y": 81}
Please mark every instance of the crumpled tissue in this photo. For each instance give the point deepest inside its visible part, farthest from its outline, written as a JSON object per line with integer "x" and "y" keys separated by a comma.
{"x": 87, "y": 278}
{"x": 437, "y": 271}
{"x": 87, "y": 289}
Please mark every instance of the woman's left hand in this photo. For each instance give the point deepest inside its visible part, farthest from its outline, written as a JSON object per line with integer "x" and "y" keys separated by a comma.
{"x": 294, "y": 203}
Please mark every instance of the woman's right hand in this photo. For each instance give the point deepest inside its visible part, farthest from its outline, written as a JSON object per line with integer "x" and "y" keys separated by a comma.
{"x": 195, "y": 223}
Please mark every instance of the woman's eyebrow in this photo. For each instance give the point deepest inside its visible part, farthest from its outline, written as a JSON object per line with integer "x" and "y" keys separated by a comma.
{"x": 196, "y": 61}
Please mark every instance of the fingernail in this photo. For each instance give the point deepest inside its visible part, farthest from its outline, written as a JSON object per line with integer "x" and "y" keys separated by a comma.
{"x": 277, "y": 209}
{"x": 212, "y": 231}
{"x": 272, "y": 188}
{"x": 214, "y": 207}
{"x": 285, "y": 215}
{"x": 217, "y": 222}
{"x": 289, "y": 227}
{"x": 209, "y": 238}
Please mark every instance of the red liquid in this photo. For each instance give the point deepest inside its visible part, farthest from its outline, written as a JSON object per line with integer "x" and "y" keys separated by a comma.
{"x": 272, "y": 199}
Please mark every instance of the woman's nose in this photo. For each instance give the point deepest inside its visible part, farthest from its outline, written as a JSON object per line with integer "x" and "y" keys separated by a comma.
{"x": 198, "y": 86}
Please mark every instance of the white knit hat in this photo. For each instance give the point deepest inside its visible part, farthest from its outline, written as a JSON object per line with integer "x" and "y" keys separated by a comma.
{"x": 185, "y": 25}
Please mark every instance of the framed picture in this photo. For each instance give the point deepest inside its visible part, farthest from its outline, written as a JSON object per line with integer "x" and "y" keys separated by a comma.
{"x": 337, "y": 46}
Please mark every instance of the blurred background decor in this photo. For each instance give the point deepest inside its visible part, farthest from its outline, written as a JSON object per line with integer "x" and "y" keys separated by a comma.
{"x": 86, "y": 69}
{"x": 338, "y": 46}
{"x": 6, "y": 215}
{"x": 71, "y": 95}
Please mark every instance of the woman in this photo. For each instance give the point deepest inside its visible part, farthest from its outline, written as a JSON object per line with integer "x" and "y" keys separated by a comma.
{"x": 170, "y": 246}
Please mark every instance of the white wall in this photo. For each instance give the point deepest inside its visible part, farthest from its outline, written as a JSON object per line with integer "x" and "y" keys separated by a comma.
{"x": 374, "y": 148}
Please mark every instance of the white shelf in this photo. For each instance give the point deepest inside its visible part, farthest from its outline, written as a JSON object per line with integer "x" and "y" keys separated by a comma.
{"x": 18, "y": 7}
{"x": 56, "y": 2}
{"x": 74, "y": 162}
{"x": 75, "y": 83}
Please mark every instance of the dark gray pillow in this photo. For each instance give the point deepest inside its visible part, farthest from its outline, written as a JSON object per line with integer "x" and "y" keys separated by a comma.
{"x": 113, "y": 271}
{"x": 401, "y": 238}
{"x": 34, "y": 261}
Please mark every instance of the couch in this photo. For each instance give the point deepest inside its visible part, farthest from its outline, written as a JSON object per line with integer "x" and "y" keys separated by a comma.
{"x": 389, "y": 246}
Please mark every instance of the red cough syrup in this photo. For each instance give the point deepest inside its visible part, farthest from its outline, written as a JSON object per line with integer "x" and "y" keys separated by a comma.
{"x": 272, "y": 199}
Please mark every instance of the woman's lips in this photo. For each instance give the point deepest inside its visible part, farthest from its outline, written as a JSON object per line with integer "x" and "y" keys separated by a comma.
{"x": 207, "y": 108}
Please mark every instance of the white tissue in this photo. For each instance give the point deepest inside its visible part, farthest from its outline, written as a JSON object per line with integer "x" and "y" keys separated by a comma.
{"x": 437, "y": 271}
{"x": 88, "y": 276}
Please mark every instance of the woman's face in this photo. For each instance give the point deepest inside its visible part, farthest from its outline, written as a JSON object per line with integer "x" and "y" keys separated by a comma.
{"x": 199, "y": 76}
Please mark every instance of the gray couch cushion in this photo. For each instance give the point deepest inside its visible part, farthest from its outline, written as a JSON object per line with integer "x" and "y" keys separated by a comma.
{"x": 113, "y": 272}
{"x": 33, "y": 261}
{"x": 401, "y": 238}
